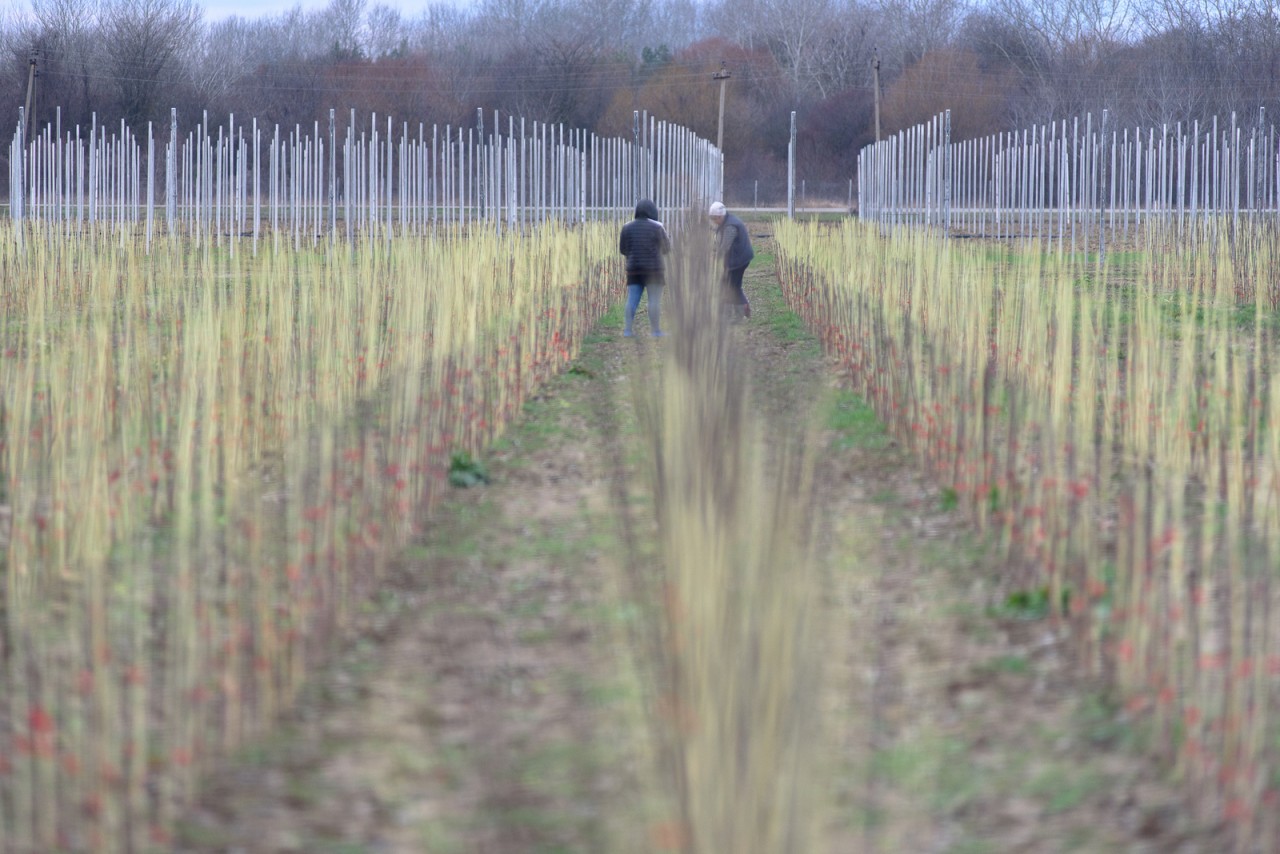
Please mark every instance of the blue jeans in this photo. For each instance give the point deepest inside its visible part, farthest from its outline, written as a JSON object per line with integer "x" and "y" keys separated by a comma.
{"x": 655, "y": 306}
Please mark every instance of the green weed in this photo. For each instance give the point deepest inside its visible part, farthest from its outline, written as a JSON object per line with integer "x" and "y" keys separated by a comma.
{"x": 1032, "y": 604}
{"x": 466, "y": 471}
{"x": 948, "y": 499}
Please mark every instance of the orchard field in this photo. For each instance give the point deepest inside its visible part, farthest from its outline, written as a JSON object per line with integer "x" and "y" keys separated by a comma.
{"x": 764, "y": 626}
{"x": 394, "y": 543}
{"x": 208, "y": 459}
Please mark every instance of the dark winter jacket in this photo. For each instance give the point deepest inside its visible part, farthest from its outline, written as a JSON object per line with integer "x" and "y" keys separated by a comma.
{"x": 733, "y": 244}
{"x": 644, "y": 240}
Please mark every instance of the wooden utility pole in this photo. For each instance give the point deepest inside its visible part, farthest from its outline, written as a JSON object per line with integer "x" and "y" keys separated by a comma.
{"x": 31, "y": 85}
{"x": 875, "y": 72}
{"x": 723, "y": 76}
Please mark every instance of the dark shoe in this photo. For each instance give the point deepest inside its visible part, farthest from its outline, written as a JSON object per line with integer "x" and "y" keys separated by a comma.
{"x": 746, "y": 309}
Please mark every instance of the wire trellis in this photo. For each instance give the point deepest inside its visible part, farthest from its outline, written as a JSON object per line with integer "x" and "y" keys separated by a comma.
{"x": 245, "y": 182}
{"x": 1078, "y": 180}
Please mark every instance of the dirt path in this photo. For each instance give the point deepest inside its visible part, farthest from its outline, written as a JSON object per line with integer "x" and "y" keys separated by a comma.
{"x": 489, "y": 702}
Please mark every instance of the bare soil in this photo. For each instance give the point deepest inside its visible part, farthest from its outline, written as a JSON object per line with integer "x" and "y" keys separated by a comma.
{"x": 487, "y": 700}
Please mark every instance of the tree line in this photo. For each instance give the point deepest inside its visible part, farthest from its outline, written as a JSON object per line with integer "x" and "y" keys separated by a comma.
{"x": 998, "y": 65}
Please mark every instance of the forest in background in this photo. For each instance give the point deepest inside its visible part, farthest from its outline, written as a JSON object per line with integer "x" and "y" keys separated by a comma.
{"x": 998, "y": 65}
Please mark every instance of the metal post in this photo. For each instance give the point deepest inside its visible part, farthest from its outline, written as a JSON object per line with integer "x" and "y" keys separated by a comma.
{"x": 791, "y": 170}
{"x": 946, "y": 174}
{"x": 479, "y": 160}
{"x": 19, "y": 171}
{"x": 333, "y": 176}
{"x": 1102, "y": 193}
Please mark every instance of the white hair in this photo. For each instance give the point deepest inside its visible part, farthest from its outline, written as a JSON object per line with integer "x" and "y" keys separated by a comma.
{"x": 717, "y": 209}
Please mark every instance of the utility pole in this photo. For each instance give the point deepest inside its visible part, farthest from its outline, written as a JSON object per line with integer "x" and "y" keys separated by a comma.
{"x": 31, "y": 85}
{"x": 723, "y": 76}
{"x": 875, "y": 73}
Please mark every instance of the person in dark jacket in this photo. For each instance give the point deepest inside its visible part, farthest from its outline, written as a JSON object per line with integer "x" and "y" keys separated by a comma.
{"x": 733, "y": 248}
{"x": 644, "y": 242}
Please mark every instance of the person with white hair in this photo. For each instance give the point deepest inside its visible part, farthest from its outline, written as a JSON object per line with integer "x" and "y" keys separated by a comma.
{"x": 733, "y": 248}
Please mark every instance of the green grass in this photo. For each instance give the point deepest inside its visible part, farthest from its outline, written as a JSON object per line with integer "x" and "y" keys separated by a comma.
{"x": 327, "y": 846}
{"x": 202, "y": 837}
{"x": 459, "y": 538}
{"x": 1063, "y": 786}
{"x": 1101, "y": 722}
{"x": 605, "y": 694}
{"x": 971, "y": 846}
{"x": 561, "y": 544}
{"x": 934, "y": 767}
{"x": 789, "y": 327}
{"x": 543, "y": 416}
{"x": 620, "y": 613}
{"x": 557, "y": 767}
{"x": 1017, "y": 665}
{"x": 439, "y": 837}
{"x": 612, "y": 319}
{"x": 536, "y": 637}
{"x": 786, "y": 325}
{"x": 855, "y": 423}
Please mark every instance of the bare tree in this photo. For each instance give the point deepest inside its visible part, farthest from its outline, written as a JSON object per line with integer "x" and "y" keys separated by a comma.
{"x": 385, "y": 33}
{"x": 505, "y": 24}
{"x": 222, "y": 54}
{"x": 605, "y": 25}
{"x": 142, "y": 40}
{"x": 441, "y": 28}
{"x": 795, "y": 31}
{"x": 342, "y": 26}
{"x": 62, "y": 34}
{"x": 844, "y": 53}
{"x": 1059, "y": 24}
{"x": 675, "y": 24}
{"x": 910, "y": 29}
{"x": 1163, "y": 92}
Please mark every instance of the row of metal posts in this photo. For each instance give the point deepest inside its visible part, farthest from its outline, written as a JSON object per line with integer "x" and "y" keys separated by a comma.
{"x": 233, "y": 182}
{"x": 901, "y": 179}
{"x": 1065, "y": 180}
